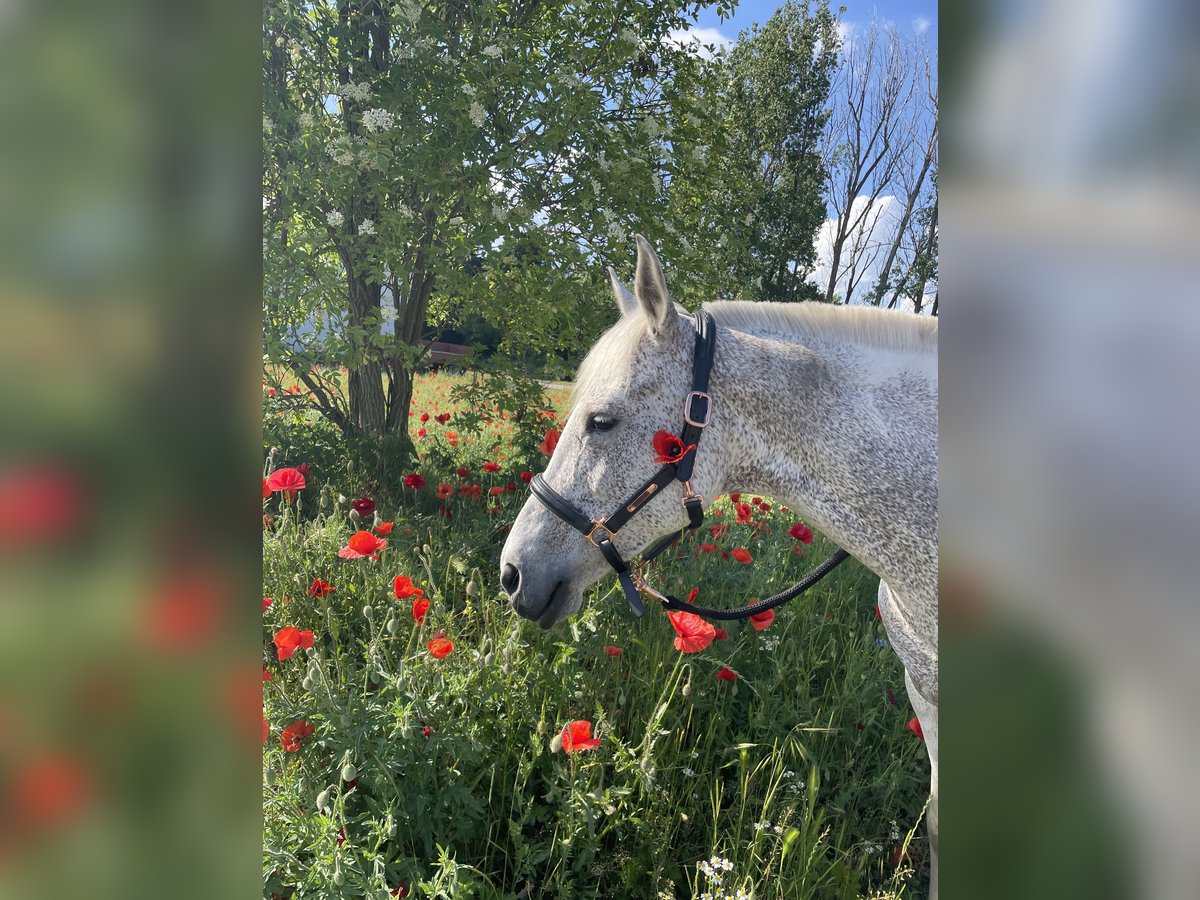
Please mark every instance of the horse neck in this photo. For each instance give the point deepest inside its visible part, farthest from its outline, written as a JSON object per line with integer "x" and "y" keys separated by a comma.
{"x": 846, "y": 433}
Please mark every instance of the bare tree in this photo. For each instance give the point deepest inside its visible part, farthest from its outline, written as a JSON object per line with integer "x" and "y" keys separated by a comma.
{"x": 868, "y": 140}
{"x": 914, "y": 181}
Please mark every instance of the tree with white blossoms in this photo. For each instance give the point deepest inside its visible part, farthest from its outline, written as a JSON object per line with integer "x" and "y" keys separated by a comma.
{"x": 426, "y": 161}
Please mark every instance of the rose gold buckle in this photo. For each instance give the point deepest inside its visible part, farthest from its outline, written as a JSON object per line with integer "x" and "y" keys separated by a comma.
{"x": 689, "y": 494}
{"x": 612, "y": 535}
{"x": 687, "y": 409}
{"x": 644, "y": 589}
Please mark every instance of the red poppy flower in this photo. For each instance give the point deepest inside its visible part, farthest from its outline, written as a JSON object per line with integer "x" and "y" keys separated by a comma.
{"x": 735, "y": 497}
{"x": 400, "y": 890}
{"x": 801, "y": 532}
{"x": 726, "y": 674}
{"x": 744, "y": 513}
{"x": 305, "y": 470}
{"x": 613, "y": 651}
{"x": 495, "y": 491}
{"x": 403, "y": 587}
{"x": 722, "y": 634}
{"x": 470, "y": 490}
{"x": 445, "y": 491}
{"x": 452, "y": 440}
{"x": 414, "y": 481}
{"x": 526, "y": 477}
{"x": 693, "y": 634}
{"x": 742, "y": 555}
{"x": 424, "y": 418}
{"x": 266, "y": 730}
{"x": 266, "y": 490}
{"x": 693, "y": 594}
{"x": 914, "y": 725}
{"x": 420, "y": 432}
{"x": 290, "y": 481}
{"x": 290, "y": 639}
{"x": 549, "y": 442}
{"x": 762, "y": 621}
{"x": 669, "y": 448}
{"x": 440, "y": 647}
{"x": 419, "y": 609}
{"x": 464, "y": 472}
{"x": 709, "y": 548}
{"x": 292, "y": 735}
{"x": 445, "y": 513}
{"x": 490, "y": 466}
{"x": 267, "y": 676}
{"x": 267, "y": 601}
{"x": 320, "y": 588}
{"x": 364, "y": 506}
{"x": 385, "y": 528}
{"x": 718, "y": 531}
{"x": 578, "y": 736}
{"x": 361, "y": 544}
{"x": 426, "y": 731}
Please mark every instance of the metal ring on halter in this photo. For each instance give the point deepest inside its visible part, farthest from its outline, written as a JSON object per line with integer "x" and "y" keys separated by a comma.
{"x": 597, "y": 524}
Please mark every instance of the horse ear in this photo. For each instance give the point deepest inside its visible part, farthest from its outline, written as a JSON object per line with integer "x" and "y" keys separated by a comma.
{"x": 650, "y": 286}
{"x": 626, "y": 302}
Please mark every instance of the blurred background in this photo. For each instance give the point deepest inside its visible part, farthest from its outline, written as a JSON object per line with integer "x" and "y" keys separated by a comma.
{"x": 130, "y": 369}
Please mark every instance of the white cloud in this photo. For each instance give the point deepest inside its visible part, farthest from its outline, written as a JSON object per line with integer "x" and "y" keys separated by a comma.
{"x": 695, "y": 39}
{"x": 921, "y": 24}
{"x": 871, "y": 239}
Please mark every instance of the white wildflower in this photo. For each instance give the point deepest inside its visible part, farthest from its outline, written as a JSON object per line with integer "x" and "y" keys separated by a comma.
{"x": 366, "y": 226}
{"x": 408, "y": 10}
{"x": 492, "y": 51}
{"x": 468, "y": 89}
{"x": 651, "y": 126}
{"x": 723, "y": 240}
{"x": 695, "y": 754}
{"x": 377, "y": 120}
{"x": 306, "y": 120}
{"x": 457, "y": 220}
{"x": 360, "y": 93}
{"x": 602, "y": 161}
{"x": 749, "y": 220}
{"x": 628, "y": 35}
{"x": 477, "y": 113}
{"x": 268, "y": 125}
{"x": 595, "y": 186}
{"x": 608, "y": 214}
{"x": 779, "y": 829}
{"x": 617, "y": 233}
{"x": 689, "y": 773}
{"x": 335, "y": 219}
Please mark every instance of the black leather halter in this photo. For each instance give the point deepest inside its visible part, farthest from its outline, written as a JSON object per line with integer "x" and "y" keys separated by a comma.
{"x": 697, "y": 413}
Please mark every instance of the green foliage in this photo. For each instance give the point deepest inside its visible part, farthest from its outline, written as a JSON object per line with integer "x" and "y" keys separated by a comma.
{"x": 762, "y": 142}
{"x": 465, "y": 159}
{"x": 490, "y": 397}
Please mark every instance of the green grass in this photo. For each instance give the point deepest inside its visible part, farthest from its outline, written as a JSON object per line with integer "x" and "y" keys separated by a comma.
{"x": 801, "y": 773}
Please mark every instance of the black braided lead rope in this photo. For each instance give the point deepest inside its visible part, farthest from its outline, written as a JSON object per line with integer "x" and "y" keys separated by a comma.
{"x": 745, "y": 612}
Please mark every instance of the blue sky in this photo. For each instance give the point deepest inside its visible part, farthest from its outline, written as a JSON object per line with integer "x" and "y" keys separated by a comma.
{"x": 903, "y": 12}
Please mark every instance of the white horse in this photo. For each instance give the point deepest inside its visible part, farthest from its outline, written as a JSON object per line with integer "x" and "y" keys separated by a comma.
{"x": 830, "y": 409}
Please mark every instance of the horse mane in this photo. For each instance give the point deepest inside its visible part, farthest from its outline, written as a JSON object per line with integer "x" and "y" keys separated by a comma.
{"x": 866, "y": 325}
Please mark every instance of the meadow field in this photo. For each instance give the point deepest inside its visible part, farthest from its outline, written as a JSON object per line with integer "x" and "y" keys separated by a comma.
{"x": 414, "y": 725}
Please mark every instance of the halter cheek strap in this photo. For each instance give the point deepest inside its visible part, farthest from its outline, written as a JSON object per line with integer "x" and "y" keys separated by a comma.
{"x": 697, "y": 414}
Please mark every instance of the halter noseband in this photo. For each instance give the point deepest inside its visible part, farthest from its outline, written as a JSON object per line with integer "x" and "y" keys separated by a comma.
{"x": 697, "y": 414}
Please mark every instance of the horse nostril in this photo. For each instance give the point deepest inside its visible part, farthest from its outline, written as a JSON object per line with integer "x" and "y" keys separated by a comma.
{"x": 510, "y": 579}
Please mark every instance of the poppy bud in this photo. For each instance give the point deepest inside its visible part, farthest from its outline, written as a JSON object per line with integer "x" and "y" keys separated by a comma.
{"x": 556, "y": 743}
{"x": 270, "y": 776}
{"x": 392, "y": 626}
{"x": 542, "y": 728}
{"x": 307, "y": 683}
{"x": 349, "y": 773}
{"x": 427, "y": 550}
{"x": 472, "y": 589}
{"x": 354, "y": 516}
{"x": 489, "y": 659}
{"x": 368, "y": 612}
{"x": 338, "y": 878}
{"x": 687, "y": 690}
{"x": 341, "y": 499}
{"x": 323, "y": 800}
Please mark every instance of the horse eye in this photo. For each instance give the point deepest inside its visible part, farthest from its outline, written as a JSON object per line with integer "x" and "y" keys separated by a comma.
{"x": 601, "y": 422}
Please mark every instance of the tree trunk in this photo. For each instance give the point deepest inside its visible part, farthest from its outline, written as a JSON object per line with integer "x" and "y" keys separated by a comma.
{"x": 367, "y": 408}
